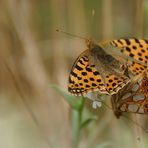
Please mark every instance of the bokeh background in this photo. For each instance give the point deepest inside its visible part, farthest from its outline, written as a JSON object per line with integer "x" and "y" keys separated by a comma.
{"x": 33, "y": 56}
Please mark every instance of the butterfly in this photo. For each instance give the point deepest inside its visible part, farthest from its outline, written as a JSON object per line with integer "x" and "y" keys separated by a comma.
{"x": 99, "y": 68}
{"x": 96, "y": 70}
{"x": 133, "y": 98}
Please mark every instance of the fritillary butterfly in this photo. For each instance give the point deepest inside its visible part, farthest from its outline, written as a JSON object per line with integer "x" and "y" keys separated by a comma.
{"x": 96, "y": 70}
{"x": 133, "y": 98}
{"x": 99, "y": 69}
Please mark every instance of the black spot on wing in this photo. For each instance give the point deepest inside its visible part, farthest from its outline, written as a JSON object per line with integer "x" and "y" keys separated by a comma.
{"x": 78, "y": 67}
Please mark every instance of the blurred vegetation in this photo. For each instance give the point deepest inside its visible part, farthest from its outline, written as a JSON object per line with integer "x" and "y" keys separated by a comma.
{"x": 33, "y": 55}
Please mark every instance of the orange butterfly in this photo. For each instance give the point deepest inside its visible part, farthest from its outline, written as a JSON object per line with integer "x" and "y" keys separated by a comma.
{"x": 98, "y": 68}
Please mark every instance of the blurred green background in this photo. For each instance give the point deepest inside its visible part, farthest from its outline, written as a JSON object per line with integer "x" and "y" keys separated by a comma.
{"x": 33, "y": 56}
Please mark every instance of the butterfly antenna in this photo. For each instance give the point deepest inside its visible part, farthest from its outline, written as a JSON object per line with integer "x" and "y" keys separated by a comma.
{"x": 136, "y": 123}
{"x": 70, "y": 34}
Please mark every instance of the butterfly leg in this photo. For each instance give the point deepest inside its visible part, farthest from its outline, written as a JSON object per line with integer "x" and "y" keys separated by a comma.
{"x": 114, "y": 101}
{"x": 125, "y": 68}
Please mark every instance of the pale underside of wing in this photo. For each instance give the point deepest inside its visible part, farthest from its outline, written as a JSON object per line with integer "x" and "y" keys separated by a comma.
{"x": 140, "y": 106}
{"x": 136, "y": 100}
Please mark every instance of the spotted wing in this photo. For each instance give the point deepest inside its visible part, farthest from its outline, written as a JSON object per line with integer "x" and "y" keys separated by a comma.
{"x": 130, "y": 104}
{"x": 135, "y": 98}
{"x": 114, "y": 83}
{"x": 84, "y": 77}
{"x": 135, "y": 48}
{"x": 133, "y": 51}
{"x": 137, "y": 68}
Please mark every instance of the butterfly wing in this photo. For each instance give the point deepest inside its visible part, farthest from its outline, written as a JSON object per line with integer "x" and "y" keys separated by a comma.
{"x": 134, "y": 51}
{"x": 135, "y": 104}
{"x": 84, "y": 77}
{"x": 134, "y": 48}
{"x": 136, "y": 68}
{"x": 134, "y": 98}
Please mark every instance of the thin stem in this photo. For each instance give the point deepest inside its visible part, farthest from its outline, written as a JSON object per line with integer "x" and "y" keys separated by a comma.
{"x": 76, "y": 124}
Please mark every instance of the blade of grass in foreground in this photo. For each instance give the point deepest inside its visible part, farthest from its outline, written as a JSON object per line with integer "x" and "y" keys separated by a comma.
{"x": 77, "y": 105}
{"x": 75, "y": 102}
